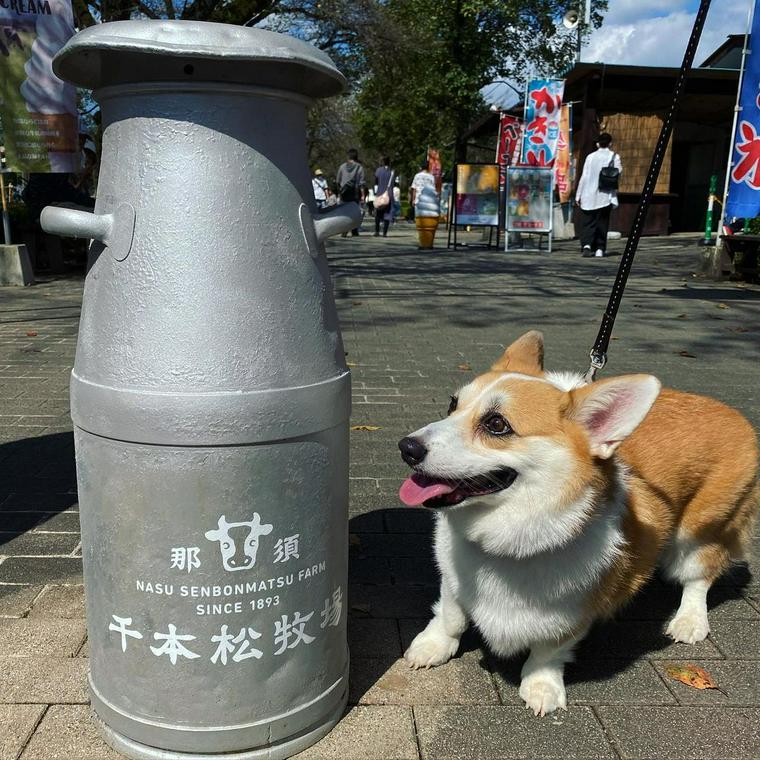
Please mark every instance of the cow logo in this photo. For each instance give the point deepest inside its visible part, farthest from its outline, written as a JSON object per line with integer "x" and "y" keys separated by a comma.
{"x": 239, "y": 541}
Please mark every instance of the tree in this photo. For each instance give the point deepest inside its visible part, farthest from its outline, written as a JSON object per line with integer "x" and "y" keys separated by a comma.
{"x": 428, "y": 91}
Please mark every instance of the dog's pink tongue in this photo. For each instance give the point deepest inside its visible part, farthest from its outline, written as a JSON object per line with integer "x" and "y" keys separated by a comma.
{"x": 418, "y": 489}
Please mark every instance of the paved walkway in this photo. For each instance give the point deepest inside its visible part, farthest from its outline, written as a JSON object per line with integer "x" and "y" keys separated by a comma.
{"x": 416, "y": 326}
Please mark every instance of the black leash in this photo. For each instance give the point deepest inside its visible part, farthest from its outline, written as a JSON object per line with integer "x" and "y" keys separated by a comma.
{"x": 598, "y": 353}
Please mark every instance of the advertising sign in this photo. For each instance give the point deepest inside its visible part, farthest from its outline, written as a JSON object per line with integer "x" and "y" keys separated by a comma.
{"x": 37, "y": 109}
{"x": 743, "y": 191}
{"x": 434, "y": 167}
{"x": 562, "y": 178}
{"x": 508, "y": 146}
{"x": 543, "y": 105}
{"x": 529, "y": 199}
{"x": 477, "y": 194}
{"x": 445, "y": 199}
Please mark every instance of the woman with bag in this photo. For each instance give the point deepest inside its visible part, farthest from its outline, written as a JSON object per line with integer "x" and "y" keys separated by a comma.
{"x": 597, "y": 196}
{"x": 384, "y": 179}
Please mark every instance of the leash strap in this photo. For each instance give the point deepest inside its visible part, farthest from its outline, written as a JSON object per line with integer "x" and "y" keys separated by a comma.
{"x": 598, "y": 353}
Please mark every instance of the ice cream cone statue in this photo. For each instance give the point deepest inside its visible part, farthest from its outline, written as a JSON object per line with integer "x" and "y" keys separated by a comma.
{"x": 427, "y": 215}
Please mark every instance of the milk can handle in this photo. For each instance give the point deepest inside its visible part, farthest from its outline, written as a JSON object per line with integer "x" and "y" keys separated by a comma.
{"x": 115, "y": 230}
{"x": 341, "y": 219}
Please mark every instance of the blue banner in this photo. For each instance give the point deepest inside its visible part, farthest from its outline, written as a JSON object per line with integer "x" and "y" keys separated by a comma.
{"x": 744, "y": 187}
{"x": 543, "y": 106}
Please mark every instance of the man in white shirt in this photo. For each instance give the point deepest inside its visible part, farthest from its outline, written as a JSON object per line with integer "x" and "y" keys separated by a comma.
{"x": 595, "y": 204}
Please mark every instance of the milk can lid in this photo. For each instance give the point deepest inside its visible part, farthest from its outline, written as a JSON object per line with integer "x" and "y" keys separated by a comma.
{"x": 122, "y": 52}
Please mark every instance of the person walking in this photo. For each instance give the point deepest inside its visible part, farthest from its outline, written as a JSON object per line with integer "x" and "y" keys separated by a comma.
{"x": 321, "y": 189}
{"x": 384, "y": 177}
{"x": 596, "y": 196}
{"x": 351, "y": 182}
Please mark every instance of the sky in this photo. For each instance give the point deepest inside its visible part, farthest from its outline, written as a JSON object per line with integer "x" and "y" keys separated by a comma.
{"x": 650, "y": 33}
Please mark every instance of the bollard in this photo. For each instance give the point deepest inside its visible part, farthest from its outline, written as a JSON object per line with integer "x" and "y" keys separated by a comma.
{"x": 210, "y": 396}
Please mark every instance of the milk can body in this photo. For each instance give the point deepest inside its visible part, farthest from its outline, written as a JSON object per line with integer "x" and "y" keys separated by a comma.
{"x": 210, "y": 397}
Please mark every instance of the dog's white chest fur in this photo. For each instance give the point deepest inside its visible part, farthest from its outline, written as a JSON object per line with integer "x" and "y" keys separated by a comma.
{"x": 515, "y": 602}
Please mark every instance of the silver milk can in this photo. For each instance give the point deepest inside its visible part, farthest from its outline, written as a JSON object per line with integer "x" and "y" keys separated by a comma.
{"x": 210, "y": 396}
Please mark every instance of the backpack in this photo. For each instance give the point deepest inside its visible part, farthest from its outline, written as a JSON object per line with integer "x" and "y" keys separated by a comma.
{"x": 609, "y": 177}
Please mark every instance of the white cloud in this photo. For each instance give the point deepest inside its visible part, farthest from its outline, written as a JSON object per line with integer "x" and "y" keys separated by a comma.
{"x": 657, "y": 34}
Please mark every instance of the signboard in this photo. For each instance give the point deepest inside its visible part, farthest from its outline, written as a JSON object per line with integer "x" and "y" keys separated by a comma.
{"x": 38, "y": 110}
{"x": 743, "y": 200}
{"x": 543, "y": 104}
{"x": 529, "y": 199}
{"x": 477, "y": 194}
{"x": 445, "y": 199}
{"x": 562, "y": 178}
{"x": 508, "y": 146}
{"x": 434, "y": 167}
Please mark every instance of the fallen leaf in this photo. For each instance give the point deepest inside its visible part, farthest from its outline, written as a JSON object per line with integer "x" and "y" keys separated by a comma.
{"x": 722, "y": 306}
{"x": 356, "y": 303}
{"x": 360, "y": 608}
{"x": 31, "y": 334}
{"x": 615, "y": 337}
{"x": 739, "y": 329}
{"x": 465, "y": 367}
{"x": 682, "y": 316}
{"x": 351, "y": 364}
{"x": 692, "y": 676}
{"x": 368, "y": 428}
{"x": 685, "y": 354}
{"x": 354, "y": 540}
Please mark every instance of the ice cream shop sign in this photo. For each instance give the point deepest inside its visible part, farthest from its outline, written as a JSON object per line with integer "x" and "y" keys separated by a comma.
{"x": 38, "y": 111}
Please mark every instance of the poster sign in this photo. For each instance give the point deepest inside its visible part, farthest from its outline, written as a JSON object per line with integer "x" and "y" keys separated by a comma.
{"x": 434, "y": 167}
{"x": 445, "y": 199}
{"x": 477, "y": 194}
{"x": 743, "y": 200}
{"x": 508, "y": 146}
{"x": 543, "y": 105}
{"x": 37, "y": 109}
{"x": 562, "y": 178}
{"x": 529, "y": 199}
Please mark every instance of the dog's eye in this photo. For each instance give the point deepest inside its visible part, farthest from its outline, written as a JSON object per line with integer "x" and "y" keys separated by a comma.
{"x": 495, "y": 424}
{"x": 453, "y": 404}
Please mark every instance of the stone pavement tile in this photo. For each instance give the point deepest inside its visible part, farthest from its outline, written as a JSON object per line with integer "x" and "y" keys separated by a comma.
{"x": 639, "y": 640}
{"x": 40, "y": 501}
{"x": 606, "y": 682}
{"x": 738, "y": 682}
{"x": 415, "y": 571}
{"x": 681, "y": 733}
{"x": 366, "y": 733}
{"x": 373, "y": 638}
{"x": 461, "y": 681}
{"x": 487, "y": 732}
{"x": 407, "y": 520}
{"x": 366, "y": 522}
{"x": 737, "y": 639}
{"x": 60, "y": 602}
{"x": 366, "y": 600}
{"x": 15, "y": 600}
{"x": 374, "y": 570}
{"x": 41, "y": 638}
{"x": 391, "y": 545}
{"x": 68, "y": 733}
{"x": 32, "y": 544}
{"x": 41, "y": 570}
{"x": 16, "y": 725}
{"x": 43, "y": 679}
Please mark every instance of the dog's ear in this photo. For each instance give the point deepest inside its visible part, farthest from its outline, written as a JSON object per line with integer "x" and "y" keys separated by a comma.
{"x": 525, "y": 355}
{"x": 610, "y": 410}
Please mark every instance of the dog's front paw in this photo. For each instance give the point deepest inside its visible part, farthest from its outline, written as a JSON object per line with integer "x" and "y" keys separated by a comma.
{"x": 543, "y": 694}
{"x": 430, "y": 649}
{"x": 689, "y": 627}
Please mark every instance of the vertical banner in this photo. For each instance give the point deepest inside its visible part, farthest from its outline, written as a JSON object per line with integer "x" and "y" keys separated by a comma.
{"x": 434, "y": 167}
{"x": 562, "y": 179}
{"x": 38, "y": 110}
{"x": 508, "y": 145}
{"x": 543, "y": 105}
{"x": 744, "y": 187}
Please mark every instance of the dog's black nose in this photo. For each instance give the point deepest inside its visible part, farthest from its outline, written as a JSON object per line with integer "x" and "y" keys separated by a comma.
{"x": 413, "y": 451}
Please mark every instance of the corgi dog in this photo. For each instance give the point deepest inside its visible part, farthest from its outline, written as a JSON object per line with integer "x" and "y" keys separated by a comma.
{"x": 555, "y": 500}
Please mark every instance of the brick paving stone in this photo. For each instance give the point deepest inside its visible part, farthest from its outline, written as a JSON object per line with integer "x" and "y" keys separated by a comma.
{"x": 67, "y": 732}
{"x": 368, "y": 733}
{"x": 15, "y": 600}
{"x": 41, "y": 570}
{"x": 62, "y": 602}
{"x": 487, "y": 732}
{"x": 461, "y": 681}
{"x": 374, "y": 638}
{"x": 17, "y": 722}
{"x": 681, "y": 733}
{"x": 37, "y": 544}
{"x": 41, "y": 638}
{"x": 388, "y": 601}
{"x": 43, "y": 679}
{"x": 737, "y": 639}
{"x": 738, "y": 682}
